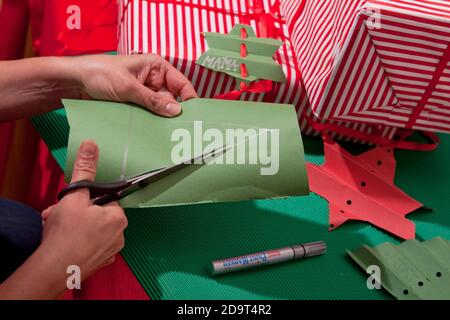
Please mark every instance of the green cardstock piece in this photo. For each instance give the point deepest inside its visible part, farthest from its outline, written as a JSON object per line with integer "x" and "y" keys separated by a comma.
{"x": 411, "y": 270}
{"x": 224, "y": 55}
{"x": 133, "y": 141}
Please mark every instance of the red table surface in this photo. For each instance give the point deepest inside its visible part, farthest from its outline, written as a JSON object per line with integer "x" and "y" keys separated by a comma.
{"x": 42, "y": 176}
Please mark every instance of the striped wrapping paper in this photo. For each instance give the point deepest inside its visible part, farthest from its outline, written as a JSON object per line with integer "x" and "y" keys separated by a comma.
{"x": 173, "y": 30}
{"x": 383, "y": 62}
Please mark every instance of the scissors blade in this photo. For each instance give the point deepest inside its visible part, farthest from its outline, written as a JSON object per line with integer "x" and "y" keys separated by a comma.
{"x": 153, "y": 176}
{"x": 145, "y": 179}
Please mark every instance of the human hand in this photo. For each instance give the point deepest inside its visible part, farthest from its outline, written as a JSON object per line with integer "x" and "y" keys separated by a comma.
{"x": 78, "y": 232}
{"x": 146, "y": 80}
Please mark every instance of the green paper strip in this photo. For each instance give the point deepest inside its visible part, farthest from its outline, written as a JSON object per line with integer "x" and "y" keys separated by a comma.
{"x": 133, "y": 140}
{"x": 411, "y": 270}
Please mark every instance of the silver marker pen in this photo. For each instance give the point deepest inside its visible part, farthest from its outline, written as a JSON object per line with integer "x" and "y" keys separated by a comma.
{"x": 267, "y": 257}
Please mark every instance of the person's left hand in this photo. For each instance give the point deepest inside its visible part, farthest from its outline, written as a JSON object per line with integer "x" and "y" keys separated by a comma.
{"x": 146, "y": 80}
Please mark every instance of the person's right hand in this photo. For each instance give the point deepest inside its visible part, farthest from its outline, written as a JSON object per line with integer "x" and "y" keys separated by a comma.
{"x": 78, "y": 232}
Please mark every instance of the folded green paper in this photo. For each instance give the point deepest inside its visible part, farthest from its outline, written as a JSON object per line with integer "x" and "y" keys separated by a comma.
{"x": 133, "y": 141}
{"x": 225, "y": 55}
{"x": 412, "y": 270}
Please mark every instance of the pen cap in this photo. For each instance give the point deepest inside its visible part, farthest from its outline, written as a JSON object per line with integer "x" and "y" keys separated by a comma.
{"x": 309, "y": 249}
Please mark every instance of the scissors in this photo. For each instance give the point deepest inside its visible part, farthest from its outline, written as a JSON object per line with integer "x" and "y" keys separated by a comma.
{"x": 104, "y": 193}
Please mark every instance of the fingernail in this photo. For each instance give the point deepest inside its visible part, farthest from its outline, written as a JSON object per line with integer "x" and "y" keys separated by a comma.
{"x": 88, "y": 150}
{"x": 173, "y": 109}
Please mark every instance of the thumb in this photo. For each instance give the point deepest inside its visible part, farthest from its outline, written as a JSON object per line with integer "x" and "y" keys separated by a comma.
{"x": 47, "y": 212}
{"x": 159, "y": 103}
{"x": 85, "y": 166}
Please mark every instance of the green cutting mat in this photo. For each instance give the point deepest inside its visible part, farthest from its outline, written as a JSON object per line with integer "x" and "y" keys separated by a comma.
{"x": 170, "y": 248}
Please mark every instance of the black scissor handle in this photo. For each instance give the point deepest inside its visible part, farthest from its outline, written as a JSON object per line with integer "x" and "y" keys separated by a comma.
{"x": 108, "y": 198}
{"x": 96, "y": 189}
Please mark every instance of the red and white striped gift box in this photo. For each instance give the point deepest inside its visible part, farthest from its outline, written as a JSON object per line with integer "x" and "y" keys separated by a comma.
{"x": 383, "y": 62}
{"x": 173, "y": 28}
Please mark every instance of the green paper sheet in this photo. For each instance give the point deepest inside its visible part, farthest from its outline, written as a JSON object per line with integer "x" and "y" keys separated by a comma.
{"x": 224, "y": 55}
{"x": 411, "y": 270}
{"x": 133, "y": 141}
{"x": 201, "y": 233}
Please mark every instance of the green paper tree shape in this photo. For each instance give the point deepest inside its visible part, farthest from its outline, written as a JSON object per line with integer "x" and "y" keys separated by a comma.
{"x": 224, "y": 55}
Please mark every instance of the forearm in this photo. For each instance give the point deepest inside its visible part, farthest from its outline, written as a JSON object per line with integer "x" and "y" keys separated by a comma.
{"x": 36, "y": 85}
{"x": 42, "y": 276}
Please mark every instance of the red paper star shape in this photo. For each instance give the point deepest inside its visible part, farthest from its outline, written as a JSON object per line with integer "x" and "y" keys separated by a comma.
{"x": 362, "y": 188}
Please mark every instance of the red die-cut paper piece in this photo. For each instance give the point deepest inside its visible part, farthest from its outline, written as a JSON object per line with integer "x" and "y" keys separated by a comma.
{"x": 362, "y": 188}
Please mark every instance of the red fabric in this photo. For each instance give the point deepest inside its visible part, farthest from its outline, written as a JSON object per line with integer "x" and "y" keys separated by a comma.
{"x": 5, "y": 140}
{"x": 115, "y": 282}
{"x": 12, "y": 39}
{"x": 13, "y": 30}
{"x": 46, "y": 179}
{"x": 52, "y": 37}
{"x": 100, "y": 286}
